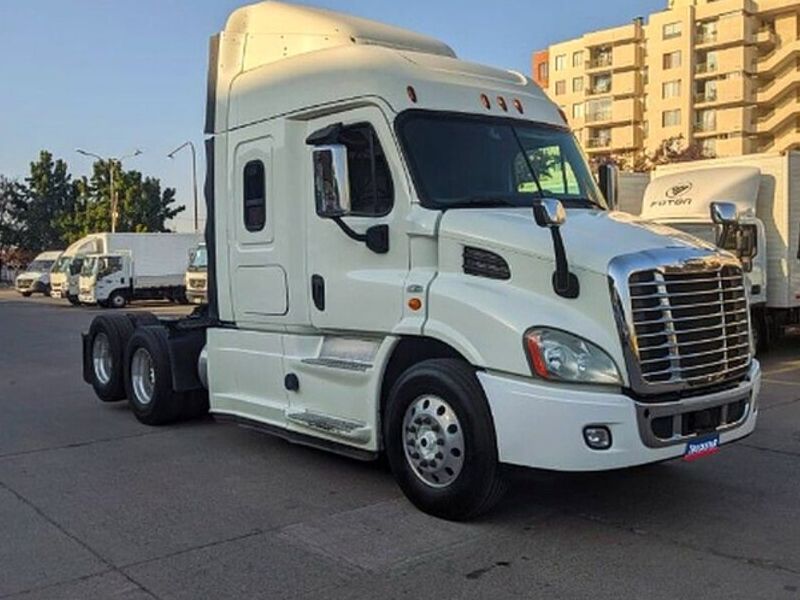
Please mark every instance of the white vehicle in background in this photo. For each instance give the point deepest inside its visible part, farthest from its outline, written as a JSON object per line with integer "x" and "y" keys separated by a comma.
{"x": 764, "y": 190}
{"x": 151, "y": 266}
{"x": 36, "y": 277}
{"x": 407, "y": 254}
{"x": 64, "y": 277}
{"x": 197, "y": 275}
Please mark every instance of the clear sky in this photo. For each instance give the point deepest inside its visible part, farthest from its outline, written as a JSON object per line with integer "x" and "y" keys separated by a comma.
{"x": 112, "y": 75}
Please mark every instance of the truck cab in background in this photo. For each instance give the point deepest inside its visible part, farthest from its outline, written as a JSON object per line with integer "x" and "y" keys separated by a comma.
{"x": 36, "y": 277}
{"x": 763, "y": 192}
{"x": 407, "y": 254}
{"x": 196, "y": 279}
{"x": 64, "y": 277}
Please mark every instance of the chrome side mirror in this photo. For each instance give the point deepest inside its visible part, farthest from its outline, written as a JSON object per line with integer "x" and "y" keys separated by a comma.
{"x": 608, "y": 181}
{"x": 724, "y": 213}
{"x": 331, "y": 181}
{"x": 549, "y": 212}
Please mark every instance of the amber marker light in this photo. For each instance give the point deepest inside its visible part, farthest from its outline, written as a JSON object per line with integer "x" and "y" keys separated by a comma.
{"x": 485, "y": 101}
{"x": 412, "y": 94}
{"x": 501, "y": 102}
{"x": 518, "y": 106}
{"x": 414, "y": 304}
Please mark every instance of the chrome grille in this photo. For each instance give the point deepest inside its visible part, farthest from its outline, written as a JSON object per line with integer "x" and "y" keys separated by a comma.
{"x": 690, "y": 326}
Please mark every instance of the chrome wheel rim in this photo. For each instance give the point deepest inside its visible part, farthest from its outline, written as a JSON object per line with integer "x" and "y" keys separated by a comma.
{"x": 433, "y": 441}
{"x": 101, "y": 358}
{"x": 143, "y": 376}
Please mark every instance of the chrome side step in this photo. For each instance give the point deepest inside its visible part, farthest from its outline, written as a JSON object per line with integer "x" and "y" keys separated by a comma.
{"x": 354, "y": 431}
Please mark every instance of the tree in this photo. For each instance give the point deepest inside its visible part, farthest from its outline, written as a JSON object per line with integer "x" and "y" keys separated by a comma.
{"x": 48, "y": 197}
{"x": 12, "y": 200}
{"x": 675, "y": 150}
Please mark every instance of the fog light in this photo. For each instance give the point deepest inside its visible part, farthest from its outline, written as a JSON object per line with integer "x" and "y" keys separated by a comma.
{"x": 597, "y": 437}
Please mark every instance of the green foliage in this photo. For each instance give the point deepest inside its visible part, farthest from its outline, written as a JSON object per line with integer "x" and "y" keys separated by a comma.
{"x": 51, "y": 210}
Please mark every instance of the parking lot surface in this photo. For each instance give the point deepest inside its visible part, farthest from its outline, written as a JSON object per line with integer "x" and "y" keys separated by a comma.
{"x": 94, "y": 505}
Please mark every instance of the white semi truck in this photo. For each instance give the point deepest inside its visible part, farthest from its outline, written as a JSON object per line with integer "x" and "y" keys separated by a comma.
{"x": 765, "y": 189}
{"x": 138, "y": 266}
{"x": 36, "y": 277}
{"x": 407, "y": 255}
{"x": 196, "y": 279}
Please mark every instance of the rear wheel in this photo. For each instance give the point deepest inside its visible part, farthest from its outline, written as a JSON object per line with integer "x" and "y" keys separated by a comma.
{"x": 108, "y": 335}
{"x": 149, "y": 378}
{"x": 440, "y": 440}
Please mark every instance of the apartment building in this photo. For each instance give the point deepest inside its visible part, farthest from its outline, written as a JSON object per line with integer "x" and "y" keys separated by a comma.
{"x": 723, "y": 73}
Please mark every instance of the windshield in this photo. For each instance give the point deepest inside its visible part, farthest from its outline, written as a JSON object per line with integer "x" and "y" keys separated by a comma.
{"x": 463, "y": 161}
{"x": 62, "y": 265}
{"x": 88, "y": 267}
{"x": 199, "y": 260}
{"x": 40, "y": 265}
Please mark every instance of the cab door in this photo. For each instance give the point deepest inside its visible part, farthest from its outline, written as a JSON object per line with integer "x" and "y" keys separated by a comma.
{"x": 352, "y": 287}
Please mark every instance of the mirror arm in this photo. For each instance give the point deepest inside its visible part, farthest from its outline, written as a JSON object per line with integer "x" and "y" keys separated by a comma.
{"x": 565, "y": 284}
{"x": 376, "y": 238}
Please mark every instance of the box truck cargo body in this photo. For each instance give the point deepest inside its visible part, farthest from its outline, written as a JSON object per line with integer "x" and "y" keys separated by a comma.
{"x": 407, "y": 254}
{"x": 136, "y": 266}
{"x": 765, "y": 188}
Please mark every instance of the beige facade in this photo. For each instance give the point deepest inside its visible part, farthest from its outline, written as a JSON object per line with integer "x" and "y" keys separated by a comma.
{"x": 724, "y": 73}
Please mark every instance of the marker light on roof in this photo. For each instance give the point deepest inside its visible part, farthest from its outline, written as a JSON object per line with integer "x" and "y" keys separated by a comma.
{"x": 502, "y": 103}
{"x": 412, "y": 94}
{"x": 485, "y": 101}
{"x": 518, "y": 106}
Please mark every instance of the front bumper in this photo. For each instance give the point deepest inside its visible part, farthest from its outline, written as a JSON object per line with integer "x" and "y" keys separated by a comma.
{"x": 85, "y": 298}
{"x": 196, "y": 296}
{"x": 541, "y": 425}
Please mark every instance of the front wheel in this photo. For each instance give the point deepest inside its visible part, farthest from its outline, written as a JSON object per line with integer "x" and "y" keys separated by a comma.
{"x": 440, "y": 440}
{"x": 73, "y": 300}
{"x": 117, "y": 300}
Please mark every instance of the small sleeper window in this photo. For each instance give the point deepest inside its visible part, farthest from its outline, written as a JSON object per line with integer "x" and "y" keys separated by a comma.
{"x": 255, "y": 196}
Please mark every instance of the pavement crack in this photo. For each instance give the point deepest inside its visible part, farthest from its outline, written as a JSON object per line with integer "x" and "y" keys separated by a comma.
{"x": 103, "y": 560}
{"x": 761, "y": 563}
{"x": 81, "y": 444}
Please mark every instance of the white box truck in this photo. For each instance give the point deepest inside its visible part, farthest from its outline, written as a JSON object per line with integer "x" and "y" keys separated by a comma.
{"x": 136, "y": 266}
{"x": 765, "y": 189}
{"x": 35, "y": 279}
{"x": 407, "y": 254}
{"x": 196, "y": 279}
{"x": 66, "y": 271}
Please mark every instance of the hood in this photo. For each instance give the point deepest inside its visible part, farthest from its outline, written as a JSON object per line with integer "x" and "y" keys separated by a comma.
{"x": 591, "y": 237}
{"x": 33, "y": 275}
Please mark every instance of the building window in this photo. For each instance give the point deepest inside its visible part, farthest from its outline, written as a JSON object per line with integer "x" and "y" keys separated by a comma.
{"x": 577, "y": 111}
{"x": 672, "y": 60}
{"x": 706, "y": 32}
{"x": 254, "y": 196}
{"x": 672, "y": 30}
{"x": 544, "y": 71}
{"x": 601, "y": 84}
{"x": 671, "y": 118}
{"x": 599, "y": 138}
{"x": 706, "y": 120}
{"x": 709, "y": 147}
{"x": 561, "y": 87}
{"x": 561, "y": 61}
{"x": 598, "y": 110}
{"x": 671, "y": 89}
{"x": 577, "y": 58}
{"x": 577, "y": 84}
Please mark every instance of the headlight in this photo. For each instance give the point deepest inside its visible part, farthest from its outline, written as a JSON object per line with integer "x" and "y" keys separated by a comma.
{"x": 560, "y": 356}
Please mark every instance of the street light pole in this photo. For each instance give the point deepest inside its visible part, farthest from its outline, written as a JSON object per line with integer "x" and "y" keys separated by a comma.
{"x": 194, "y": 174}
{"x": 112, "y": 192}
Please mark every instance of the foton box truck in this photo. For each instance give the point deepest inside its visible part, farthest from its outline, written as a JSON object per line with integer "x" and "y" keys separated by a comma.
{"x": 140, "y": 266}
{"x": 765, "y": 191}
{"x": 407, "y": 255}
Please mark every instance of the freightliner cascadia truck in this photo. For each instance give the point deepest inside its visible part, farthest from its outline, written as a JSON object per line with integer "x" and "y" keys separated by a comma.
{"x": 408, "y": 255}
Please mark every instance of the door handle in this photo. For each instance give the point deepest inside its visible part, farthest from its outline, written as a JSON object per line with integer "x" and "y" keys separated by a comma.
{"x": 318, "y": 291}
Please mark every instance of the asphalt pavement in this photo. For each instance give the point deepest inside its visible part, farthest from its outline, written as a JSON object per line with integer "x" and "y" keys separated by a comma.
{"x": 94, "y": 505}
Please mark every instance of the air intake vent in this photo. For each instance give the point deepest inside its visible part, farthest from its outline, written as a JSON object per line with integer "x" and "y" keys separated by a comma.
{"x": 483, "y": 263}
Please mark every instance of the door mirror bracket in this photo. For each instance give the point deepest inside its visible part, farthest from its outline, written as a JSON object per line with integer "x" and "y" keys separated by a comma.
{"x": 550, "y": 213}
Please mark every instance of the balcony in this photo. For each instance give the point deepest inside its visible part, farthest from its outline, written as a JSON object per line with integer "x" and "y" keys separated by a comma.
{"x": 778, "y": 57}
{"x": 599, "y": 142}
{"x": 599, "y": 116}
{"x": 706, "y": 37}
{"x": 705, "y": 68}
{"x": 709, "y": 95}
{"x": 598, "y": 90}
{"x": 778, "y": 116}
{"x": 704, "y": 127}
{"x": 598, "y": 62}
{"x": 766, "y": 38}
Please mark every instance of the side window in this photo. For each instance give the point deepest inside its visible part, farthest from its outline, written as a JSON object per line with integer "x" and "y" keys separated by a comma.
{"x": 255, "y": 196}
{"x": 371, "y": 188}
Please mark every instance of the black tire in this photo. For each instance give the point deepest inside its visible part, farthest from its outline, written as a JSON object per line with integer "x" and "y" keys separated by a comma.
{"x": 117, "y": 300}
{"x": 26, "y": 294}
{"x": 73, "y": 300}
{"x": 164, "y": 405}
{"x": 479, "y": 485}
{"x": 117, "y": 329}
